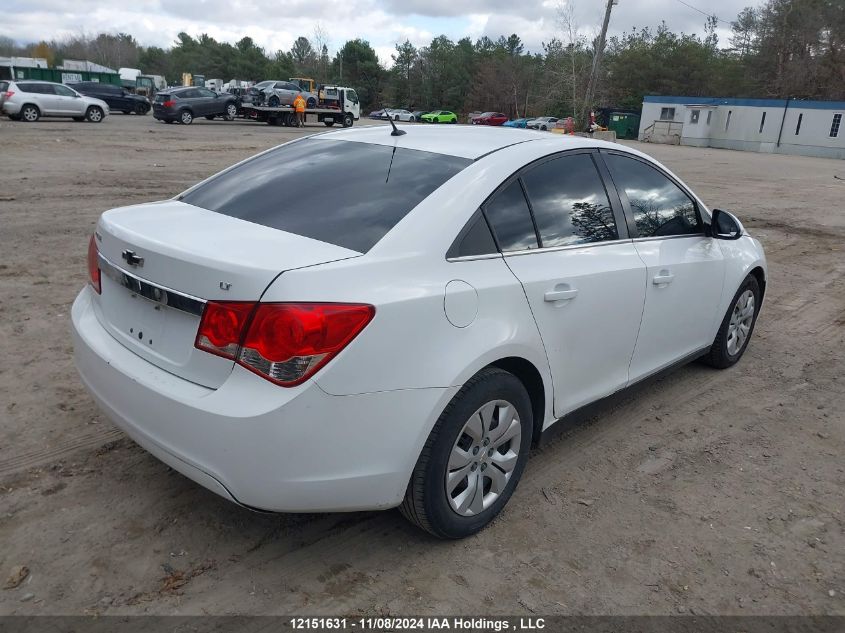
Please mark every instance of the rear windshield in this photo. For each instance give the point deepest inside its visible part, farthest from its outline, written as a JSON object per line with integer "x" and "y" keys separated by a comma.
{"x": 341, "y": 192}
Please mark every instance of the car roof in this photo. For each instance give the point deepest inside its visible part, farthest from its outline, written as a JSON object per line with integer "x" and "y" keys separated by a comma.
{"x": 463, "y": 141}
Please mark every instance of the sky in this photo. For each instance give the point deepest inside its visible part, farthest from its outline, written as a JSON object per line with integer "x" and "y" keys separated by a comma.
{"x": 275, "y": 24}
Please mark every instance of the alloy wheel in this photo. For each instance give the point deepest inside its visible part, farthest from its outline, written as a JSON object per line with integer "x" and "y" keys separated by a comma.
{"x": 483, "y": 458}
{"x": 742, "y": 318}
{"x": 29, "y": 114}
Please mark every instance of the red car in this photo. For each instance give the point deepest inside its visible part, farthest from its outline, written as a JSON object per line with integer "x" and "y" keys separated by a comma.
{"x": 490, "y": 118}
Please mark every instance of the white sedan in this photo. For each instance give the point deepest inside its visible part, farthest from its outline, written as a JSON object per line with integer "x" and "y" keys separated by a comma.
{"x": 450, "y": 297}
{"x": 543, "y": 123}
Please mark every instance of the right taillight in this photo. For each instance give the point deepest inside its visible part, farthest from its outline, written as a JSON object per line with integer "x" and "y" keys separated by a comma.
{"x": 169, "y": 103}
{"x": 286, "y": 343}
{"x": 94, "y": 265}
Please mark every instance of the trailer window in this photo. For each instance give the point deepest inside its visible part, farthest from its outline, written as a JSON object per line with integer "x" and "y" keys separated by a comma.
{"x": 345, "y": 193}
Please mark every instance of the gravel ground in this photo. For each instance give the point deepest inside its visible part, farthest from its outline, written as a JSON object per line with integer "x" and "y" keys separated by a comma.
{"x": 717, "y": 492}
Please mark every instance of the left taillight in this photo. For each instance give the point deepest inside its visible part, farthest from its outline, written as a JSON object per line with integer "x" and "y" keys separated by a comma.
{"x": 285, "y": 343}
{"x": 94, "y": 266}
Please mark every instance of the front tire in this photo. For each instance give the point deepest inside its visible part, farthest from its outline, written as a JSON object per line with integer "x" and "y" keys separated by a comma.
{"x": 311, "y": 103}
{"x": 94, "y": 115}
{"x": 274, "y": 102}
{"x": 473, "y": 458}
{"x": 737, "y": 326}
{"x": 231, "y": 112}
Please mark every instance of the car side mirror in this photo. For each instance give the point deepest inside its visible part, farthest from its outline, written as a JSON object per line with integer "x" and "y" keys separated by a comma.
{"x": 725, "y": 226}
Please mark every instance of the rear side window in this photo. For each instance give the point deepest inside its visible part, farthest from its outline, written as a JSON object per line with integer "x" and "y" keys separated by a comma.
{"x": 569, "y": 202}
{"x": 511, "y": 220}
{"x": 43, "y": 89}
{"x": 341, "y": 192}
{"x": 658, "y": 205}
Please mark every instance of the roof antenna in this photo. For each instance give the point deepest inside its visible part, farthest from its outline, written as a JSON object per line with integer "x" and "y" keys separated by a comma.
{"x": 396, "y": 131}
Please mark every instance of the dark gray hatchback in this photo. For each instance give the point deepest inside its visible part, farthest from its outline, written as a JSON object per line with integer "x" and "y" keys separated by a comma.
{"x": 185, "y": 104}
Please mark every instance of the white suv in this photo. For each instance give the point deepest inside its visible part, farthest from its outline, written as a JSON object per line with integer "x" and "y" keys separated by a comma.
{"x": 29, "y": 100}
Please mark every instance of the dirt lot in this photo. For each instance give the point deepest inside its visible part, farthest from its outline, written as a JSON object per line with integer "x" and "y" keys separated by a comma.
{"x": 708, "y": 492}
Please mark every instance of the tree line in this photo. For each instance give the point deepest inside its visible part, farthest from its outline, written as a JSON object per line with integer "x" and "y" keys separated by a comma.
{"x": 779, "y": 49}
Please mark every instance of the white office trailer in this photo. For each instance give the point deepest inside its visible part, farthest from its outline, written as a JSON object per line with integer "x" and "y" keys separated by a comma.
{"x": 781, "y": 126}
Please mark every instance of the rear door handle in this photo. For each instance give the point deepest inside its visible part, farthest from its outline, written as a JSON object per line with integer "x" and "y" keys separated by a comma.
{"x": 663, "y": 278}
{"x": 566, "y": 294}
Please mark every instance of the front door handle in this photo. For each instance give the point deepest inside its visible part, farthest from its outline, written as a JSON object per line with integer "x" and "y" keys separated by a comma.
{"x": 663, "y": 278}
{"x": 564, "y": 294}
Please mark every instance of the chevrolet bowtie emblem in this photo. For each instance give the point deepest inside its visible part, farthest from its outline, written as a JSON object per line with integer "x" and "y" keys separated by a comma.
{"x": 131, "y": 258}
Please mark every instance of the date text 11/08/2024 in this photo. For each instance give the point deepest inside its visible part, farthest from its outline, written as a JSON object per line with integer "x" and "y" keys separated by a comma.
{"x": 456, "y": 623}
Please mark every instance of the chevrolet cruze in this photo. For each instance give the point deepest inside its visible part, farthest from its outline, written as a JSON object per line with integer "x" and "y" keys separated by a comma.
{"x": 443, "y": 298}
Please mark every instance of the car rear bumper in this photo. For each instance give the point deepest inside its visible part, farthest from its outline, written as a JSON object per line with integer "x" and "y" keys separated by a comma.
{"x": 11, "y": 107}
{"x": 264, "y": 446}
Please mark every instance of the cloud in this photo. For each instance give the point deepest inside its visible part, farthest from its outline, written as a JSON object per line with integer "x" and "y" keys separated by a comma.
{"x": 384, "y": 23}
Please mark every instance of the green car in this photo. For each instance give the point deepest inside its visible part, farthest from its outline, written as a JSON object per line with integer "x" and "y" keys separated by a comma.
{"x": 439, "y": 116}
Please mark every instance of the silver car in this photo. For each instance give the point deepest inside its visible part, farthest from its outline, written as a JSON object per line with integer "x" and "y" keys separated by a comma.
{"x": 29, "y": 100}
{"x": 278, "y": 93}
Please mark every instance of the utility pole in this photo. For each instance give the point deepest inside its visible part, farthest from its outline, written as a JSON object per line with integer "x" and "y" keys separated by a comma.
{"x": 591, "y": 85}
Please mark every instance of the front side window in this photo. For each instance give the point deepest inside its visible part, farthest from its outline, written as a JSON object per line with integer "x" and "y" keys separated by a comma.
{"x": 659, "y": 206}
{"x": 64, "y": 91}
{"x": 834, "y": 126}
{"x": 510, "y": 219}
{"x": 285, "y": 189}
{"x": 569, "y": 202}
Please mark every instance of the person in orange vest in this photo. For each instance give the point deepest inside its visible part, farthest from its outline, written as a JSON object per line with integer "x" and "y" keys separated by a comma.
{"x": 299, "y": 107}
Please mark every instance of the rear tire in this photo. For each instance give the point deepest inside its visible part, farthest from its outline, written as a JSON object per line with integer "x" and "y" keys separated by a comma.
{"x": 30, "y": 113}
{"x": 737, "y": 326}
{"x": 141, "y": 109}
{"x": 186, "y": 117}
{"x": 94, "y": 115}
{"x": 463, "y": 446}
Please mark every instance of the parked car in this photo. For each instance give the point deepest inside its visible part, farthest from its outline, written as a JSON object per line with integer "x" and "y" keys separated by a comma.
{"x": 541, "y": 123}
{"x": 117, "y": 97}
{"x": 29, "y": 100}
{"x": 439, "y": 116}
{"x": 417, "y": 115}
{"x": 376, "y": 114}
{"x": 400, "y": 115}
{"x": 278, "y": 371}
{"x": 490, "y": 118}
{"x": 473, "y": 114}
{"x": 520, "y": 123}
{"x": 185, "y": 104}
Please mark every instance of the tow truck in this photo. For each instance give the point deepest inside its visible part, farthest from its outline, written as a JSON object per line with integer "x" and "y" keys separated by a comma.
{"x": 337, "y": 104}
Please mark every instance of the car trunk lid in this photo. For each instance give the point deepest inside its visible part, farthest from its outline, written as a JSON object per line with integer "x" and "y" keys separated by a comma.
{"x": 161, "y": 262}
